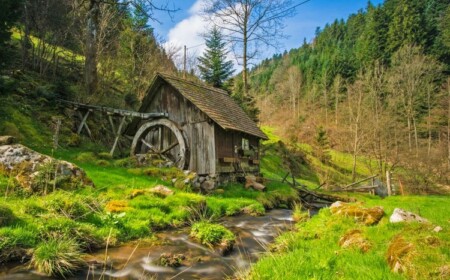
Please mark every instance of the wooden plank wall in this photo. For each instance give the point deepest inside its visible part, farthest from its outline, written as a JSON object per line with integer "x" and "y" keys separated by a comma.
{"x": 225, "y": 148}
{"x": 199, "y": 129}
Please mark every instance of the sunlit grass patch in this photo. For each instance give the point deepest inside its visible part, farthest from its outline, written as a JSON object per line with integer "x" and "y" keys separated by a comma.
{"x": 57, "y": 257}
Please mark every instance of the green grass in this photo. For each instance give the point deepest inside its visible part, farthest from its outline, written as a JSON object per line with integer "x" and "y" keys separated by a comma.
{"x": 313, "y": 251}
{"x": 212, "y": 234}
{"x": 57, "y": 257}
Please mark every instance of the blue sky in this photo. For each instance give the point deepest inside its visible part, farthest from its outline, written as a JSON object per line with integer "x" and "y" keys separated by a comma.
{"x": 185, "y": 26}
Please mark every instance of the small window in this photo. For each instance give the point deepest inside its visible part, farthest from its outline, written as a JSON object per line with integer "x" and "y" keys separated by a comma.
{"x": 245, "y": 144}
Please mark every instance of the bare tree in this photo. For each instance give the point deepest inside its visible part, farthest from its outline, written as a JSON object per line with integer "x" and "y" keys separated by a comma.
{"x": 249, "y": 24}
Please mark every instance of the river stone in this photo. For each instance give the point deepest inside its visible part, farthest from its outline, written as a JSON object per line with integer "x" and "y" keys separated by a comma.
{"x": 161, "y": 190}
{"x": 251, "y": 181}
{"x": 7, "y": 140}
{"x": 400, "y": 216}
{"x": 208, "y": 185}
{"x": 437, "y": 229}
{"x": 171, "y": 260}
{"x": 30, "y": 167}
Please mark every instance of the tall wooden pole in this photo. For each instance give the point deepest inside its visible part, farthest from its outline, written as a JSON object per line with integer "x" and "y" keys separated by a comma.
{"x": 388, "y": 182}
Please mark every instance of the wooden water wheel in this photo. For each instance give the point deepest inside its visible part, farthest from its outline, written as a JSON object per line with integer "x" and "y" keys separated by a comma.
{"x": 163, "y": 138}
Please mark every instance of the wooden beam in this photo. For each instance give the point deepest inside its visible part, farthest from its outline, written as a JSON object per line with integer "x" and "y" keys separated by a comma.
{"x": 360, "y": 181}
{"x": 83, "y": 121}
{"x": 119, "y": 131}
{"x": 169, "y": 148}
{"x": 111, "y": 122}
{"x": 114, "y": 111}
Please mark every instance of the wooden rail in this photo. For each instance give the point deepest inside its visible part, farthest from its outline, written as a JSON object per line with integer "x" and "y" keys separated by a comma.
{"x": 121, "y": 114}
{"x": 114, "y": 111}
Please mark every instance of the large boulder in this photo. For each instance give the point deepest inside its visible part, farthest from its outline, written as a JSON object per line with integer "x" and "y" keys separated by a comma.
{"x": 35, "y": 171}
{"x": 400, "y": 216}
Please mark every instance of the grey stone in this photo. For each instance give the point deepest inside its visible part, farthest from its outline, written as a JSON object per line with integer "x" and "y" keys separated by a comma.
{"x": 400, "y": 216}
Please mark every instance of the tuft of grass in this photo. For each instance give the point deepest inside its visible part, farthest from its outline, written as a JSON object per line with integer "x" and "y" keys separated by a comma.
{"x": 212, "y": 234}
{"x": 57, "y": 257}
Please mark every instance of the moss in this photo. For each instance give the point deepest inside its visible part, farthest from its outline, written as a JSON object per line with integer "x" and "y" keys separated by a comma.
{"x": 368, "y": 216}
{"x": 115, "y": 206}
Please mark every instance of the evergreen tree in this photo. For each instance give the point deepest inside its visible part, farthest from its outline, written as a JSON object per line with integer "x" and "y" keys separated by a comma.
{"x": 214, "y": 67}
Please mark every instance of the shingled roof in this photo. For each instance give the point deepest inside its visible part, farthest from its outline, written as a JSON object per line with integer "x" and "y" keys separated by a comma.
{"x": 215, "y": 103}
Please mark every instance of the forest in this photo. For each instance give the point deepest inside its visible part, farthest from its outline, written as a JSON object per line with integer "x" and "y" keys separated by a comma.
{"x": 375, "y": 84}
{"x": 123, "y": 156}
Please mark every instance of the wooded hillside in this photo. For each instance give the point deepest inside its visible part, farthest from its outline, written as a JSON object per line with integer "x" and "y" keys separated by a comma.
{"x": 375, "y": 84}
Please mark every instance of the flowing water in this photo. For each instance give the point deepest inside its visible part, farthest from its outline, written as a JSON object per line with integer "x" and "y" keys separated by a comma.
{"x": 139, "y": 261}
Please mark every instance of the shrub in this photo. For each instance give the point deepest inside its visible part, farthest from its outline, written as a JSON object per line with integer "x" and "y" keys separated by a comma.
{"x": 68, "y": 205}
{"x": 102, "y": 162}
{"x": 74, "y": 140}
{"x": 86, "y": 157}
{"x": 57, "y": 257}
{"x": 104, "y": 155}
{"x": 6, "y": 216}
{"x": 212, "y": 234}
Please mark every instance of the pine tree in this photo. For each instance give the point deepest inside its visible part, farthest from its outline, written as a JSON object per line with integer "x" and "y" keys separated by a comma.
{"x": 214, "y": 67}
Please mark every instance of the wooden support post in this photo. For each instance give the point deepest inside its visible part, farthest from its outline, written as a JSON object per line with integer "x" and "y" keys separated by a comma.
{"x": 83, "y": 121}
{"x": 56, "y": 135}
{"x": 285, "y": 177}
{"x": 111, "y": 122}
{"x": 388, "y": 182}
{"x": 119, "y": 131}
{"x": 294, "y": 183}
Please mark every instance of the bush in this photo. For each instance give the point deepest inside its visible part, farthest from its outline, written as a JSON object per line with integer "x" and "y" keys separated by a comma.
{"x": 57, "y": 257}
{"x": 86, "y": 157}
{"x": 68, "y": 205}
{"x": 6, "y": 216}
{"x": 104, "y": 156}
{"x": 102, "y": 162}
{"x": 212, "y": 234}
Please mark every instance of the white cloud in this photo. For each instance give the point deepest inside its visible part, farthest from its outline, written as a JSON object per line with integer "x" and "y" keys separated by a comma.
{"x": 188, "y": 33}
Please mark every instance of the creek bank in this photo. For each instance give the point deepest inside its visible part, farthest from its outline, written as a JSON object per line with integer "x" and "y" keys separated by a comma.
{"x": 190, "y": 260}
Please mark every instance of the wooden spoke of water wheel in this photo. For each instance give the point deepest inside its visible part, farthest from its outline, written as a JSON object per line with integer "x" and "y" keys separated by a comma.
{"x": 163, "y": 138}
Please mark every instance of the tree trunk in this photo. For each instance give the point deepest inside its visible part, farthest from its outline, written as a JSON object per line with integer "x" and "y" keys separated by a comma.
{"x": 429, "y": 120}
{"x": 409, "y": 134}
{"x": 25, "y": 39}
{"x": 416, "y": 138}
{"x": 448, "y": 124}
{"x": 91, "y": 78}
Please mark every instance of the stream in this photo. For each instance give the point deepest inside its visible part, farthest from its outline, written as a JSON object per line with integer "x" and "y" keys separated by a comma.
{"x": 138, "y": 262}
